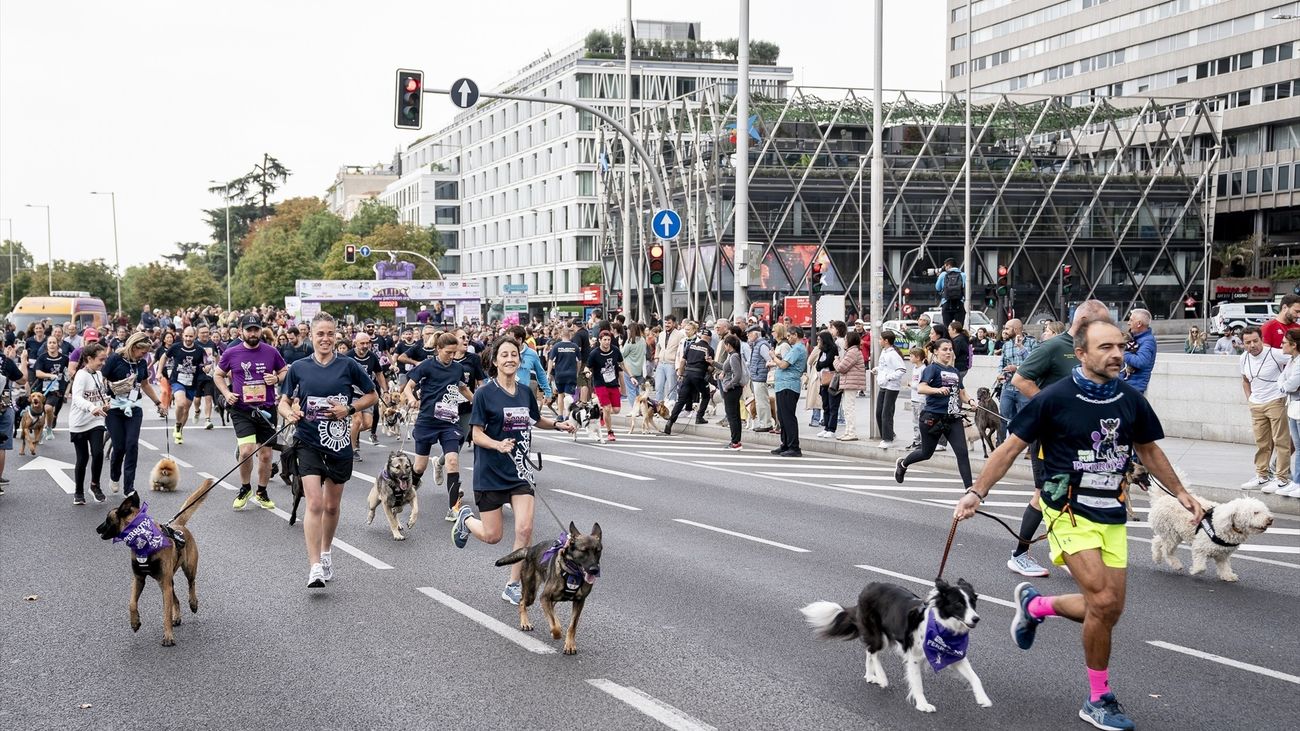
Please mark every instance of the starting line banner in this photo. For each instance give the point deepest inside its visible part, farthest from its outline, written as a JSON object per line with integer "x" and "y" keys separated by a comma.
{"x": 352, "y": 290}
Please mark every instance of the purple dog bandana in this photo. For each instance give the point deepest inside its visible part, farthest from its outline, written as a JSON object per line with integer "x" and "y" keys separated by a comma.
{"x": 549, "y": 554}
{"x": 143, "y": 535}
{"x": 943, "y": 647}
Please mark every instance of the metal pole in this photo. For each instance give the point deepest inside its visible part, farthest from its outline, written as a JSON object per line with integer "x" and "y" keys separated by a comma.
{"x": 49, "y": 249}
{"x": 626, "y": 298}
{"x": 227, "y": 247}
{"x": 877, "y": 200}
{"x": 10, "y": 221}
{"x": 739, "y": 265}
{"x": 117, "y": 257}
{"x": 967, "y": 248}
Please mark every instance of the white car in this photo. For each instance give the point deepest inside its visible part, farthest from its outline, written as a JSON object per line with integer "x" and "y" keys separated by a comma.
{"x": 1242, "y": 314}
{"x": 974, "y": 320}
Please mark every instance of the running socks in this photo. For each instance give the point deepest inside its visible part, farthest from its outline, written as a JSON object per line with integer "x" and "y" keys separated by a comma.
{"x": 454, "y": 493}
{"x": 1029, "y": 522}
{"x": 1098, "y": 684}
{"x": 1040, "y": 607}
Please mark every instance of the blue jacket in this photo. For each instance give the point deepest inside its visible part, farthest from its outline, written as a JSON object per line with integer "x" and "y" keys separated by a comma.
{"x": 938, "y": 283}
{"x": 530, "y": 365}
{"x": 1141, "y": 362}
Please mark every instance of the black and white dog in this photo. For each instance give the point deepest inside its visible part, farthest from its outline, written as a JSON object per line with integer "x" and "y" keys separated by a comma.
{"x": 933, "y": 630}
{"x": 586, "y": 417}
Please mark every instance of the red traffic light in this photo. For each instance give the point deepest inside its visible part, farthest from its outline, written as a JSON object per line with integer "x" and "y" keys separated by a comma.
{"x": 907, "y": 291}
{"x": 817, "y": 267}
{"x": 412, "y": 84}
{"x": 1066, "y": 270}
{"x": 1002, "y": 270}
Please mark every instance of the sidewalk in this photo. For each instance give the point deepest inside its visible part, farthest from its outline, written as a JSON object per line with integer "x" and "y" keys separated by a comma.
{"x": 1214, "y": 469}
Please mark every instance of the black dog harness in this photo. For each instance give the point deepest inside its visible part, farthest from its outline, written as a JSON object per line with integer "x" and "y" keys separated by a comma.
{"x": 1207, "y": 526}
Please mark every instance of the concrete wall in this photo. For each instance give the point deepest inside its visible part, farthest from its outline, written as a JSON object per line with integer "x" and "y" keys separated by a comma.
{"x": 1195, "y": 396}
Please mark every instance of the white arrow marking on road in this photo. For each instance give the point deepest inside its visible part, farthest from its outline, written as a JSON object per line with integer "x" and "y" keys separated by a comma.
{"x": 666, "y": 223}
{"x": 55, "y": 468}
{"x": 464, "y": 91}
{"x": 497, "y": 626}
{"x": 1224, "y": 661}
{"x": 669, "y": 716}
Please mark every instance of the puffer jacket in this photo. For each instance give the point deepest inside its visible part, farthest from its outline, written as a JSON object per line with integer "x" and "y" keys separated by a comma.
{"x": 852, "y": 370}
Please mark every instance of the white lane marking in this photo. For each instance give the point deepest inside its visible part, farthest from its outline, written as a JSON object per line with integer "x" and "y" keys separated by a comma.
{"x": 1236, "y": 556}
{"x": 746, "y": 536}
{"x": 1269, "y": 549}
{"x": 570, "y": 462}
{"x": 742, "y": 456}
{"x": 182, "y": 462}
{"x": 510, "y": 633}
{"x": 594, "y": 499}
{"x": 951, "y": 503}
{"x": 1225, "y": 661}
{"x": 910, "y": 478}
{"x": 669, "y": 716}
{"x": 930, "y": 582}
{"x": 223, "y": 483}
{"x": 892, "y": 486}
{"x": 146, "y": 445}
{"x": 159, "y": 428}
{"x": 364, "y": 476}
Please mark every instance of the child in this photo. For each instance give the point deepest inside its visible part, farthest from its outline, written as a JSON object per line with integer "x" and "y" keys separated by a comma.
{"x": 919, "y": 361}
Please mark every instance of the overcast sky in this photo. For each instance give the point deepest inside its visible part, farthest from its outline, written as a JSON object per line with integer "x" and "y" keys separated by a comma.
{"x": 153, "y": 99}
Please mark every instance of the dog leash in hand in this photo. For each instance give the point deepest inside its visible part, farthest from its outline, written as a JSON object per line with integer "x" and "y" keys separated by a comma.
{"x": 953, "y": 532}
{"x": 538, "y": 494}
{"x": 238, "y": 464}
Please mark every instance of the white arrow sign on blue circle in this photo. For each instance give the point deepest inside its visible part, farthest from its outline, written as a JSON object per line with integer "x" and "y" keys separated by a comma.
{"x": 667, "y": 224}
{"x": 365, "y": 251}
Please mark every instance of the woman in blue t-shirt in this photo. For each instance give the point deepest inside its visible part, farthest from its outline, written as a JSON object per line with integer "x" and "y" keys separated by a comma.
{"x": 127, "y": 374}
{"x": 941, "y": 414}
{"x": 501, "y": 423}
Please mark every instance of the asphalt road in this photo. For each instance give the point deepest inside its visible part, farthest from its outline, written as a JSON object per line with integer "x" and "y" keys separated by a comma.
{"x": 693, "y": 623}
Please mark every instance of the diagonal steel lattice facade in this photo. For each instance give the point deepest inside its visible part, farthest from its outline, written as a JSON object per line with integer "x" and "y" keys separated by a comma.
{"x": 1118, "y": 189}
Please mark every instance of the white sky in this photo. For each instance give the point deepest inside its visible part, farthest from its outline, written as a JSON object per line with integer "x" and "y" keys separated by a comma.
{"x": 92, "y": 93}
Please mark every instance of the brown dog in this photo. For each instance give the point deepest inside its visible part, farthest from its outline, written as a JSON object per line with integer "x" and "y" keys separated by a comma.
{"x": 559, "y": 571}
{"x": 159, "y": 551}
{"x": 644, "y": 410}
{"x": 165, "y": 475}
{"x": 33, "y": 423}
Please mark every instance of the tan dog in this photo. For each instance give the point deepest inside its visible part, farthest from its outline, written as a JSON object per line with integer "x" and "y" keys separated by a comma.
{"x": 33, "y": 423}
{"x": 644, "y": 410}
{"x": 158, "y": 553}
{"x": 165, "y": 475}
{"x": 395, "y": 489}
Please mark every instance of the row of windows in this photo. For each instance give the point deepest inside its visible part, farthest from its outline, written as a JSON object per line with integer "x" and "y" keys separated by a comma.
{"x": 1037, "y": 17}
{"x": 1258, "y": 181}
{"x": 532, "y": 223}
{"x": 562, "y": 283}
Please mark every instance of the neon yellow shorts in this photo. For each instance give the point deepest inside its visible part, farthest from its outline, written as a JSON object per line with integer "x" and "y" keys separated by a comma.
{"x": 1085, "y": 535}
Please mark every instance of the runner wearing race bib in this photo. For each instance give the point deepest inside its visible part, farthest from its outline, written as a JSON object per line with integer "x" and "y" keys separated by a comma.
{"x": 439, "y": 381}
{"x": 181, "y": 366}
{"x": 52, "y": 370}
{"x": 369, "y": 362}
{"x": 605, "y": 363}
{"x": 246, "y": 377}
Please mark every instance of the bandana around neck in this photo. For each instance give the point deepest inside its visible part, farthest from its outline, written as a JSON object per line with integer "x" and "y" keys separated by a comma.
{"x": 943, "y": 647}
{"x": 143, "y": 535}
{"x": 1093, "y": 390}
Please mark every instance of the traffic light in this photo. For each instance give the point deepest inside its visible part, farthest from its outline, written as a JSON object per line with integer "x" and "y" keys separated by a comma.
{"x": 410, "y": 98}
{"x": 349, "y": 253}
{"x": 816, "y": 278}
{"x": 1066, "y": 278}
{"x": 990, "y": 296}
{"x": 656, "y": 263}
{"x": 1004, "y": 280}
{"x": 907, "y": 307}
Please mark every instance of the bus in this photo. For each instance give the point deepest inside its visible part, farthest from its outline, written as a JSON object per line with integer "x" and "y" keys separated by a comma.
{"x": 60, "y": 307}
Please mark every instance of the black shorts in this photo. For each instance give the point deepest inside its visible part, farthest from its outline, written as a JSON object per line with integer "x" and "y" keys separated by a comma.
{"x": 490, "y": 500}
{"x": 251, "y": 428}
{"x": 206, "y": 388}
{"x": 54, "y": 399}
{"x": 327, "y": 466}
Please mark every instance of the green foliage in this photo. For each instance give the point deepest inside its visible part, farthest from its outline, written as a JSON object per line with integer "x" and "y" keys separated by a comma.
{"x": 371, "y": 215}
{"x": 273, "y": 259}
{"x": 592, "y": 275}
{"x": 1284, "y": 273}
{"x": 319, "y": 231}
{"x": 598, "y": 41}
{"x": 93, "y": 276}
{"x": 21, "y": 259}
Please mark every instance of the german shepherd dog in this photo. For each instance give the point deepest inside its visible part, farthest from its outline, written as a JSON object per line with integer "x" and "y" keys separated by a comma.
{"x": 559, "y": 571}
{"x": 586, "y": 417}
{"x": 395, "y": 489}
{"x": 158, "y": 553}
{"x": 644, "y": 410}
{"x": 32, "y": 424}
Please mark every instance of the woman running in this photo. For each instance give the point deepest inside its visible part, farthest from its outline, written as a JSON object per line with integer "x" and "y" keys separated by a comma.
{"x": 501, "y": 422}
{"x": 89, "y": 403}
{"x": 941, "y": 416}
{"x": 127, "y": 376}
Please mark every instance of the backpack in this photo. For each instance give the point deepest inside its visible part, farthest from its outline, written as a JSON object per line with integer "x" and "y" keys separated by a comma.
{"x": 952, "y": 289}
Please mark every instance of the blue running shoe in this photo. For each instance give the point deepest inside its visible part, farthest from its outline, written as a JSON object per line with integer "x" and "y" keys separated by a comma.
{"x": 1106, "y": 714}
{"x": 513, "y": 593}
{"x": 460, "y": 531}
{"x": 1024, "y": 626}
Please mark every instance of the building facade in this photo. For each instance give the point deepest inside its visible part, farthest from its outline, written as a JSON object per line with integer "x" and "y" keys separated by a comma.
{"x": 356, "y": 184}
{"x": 1241, "y": 56}
{"x": 527, "y": 203}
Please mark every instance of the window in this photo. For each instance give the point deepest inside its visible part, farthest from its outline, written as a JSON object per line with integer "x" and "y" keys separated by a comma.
{"x": 586, "y": 248}
{"x": 450, "y": 239}
{"x": 1221, "y": 188}
{"x": 447, "y": 190}
{"x": 1283, "y": 177}
{"x": 586, "y": 121}
{"x": 1252, "y": 182}
{"x": 586, "y": 183}
{"x": 685, "y": 86}
{"x": 446, "y": 215}
{"x": 1236, "y": 183}
{"x": 1266, "y": 180}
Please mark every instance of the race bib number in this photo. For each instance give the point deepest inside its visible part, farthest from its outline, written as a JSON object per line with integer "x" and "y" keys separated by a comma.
{"x": 185, "y": 377}
{"x": 607, "y": 372}
{"x": 254, "y": 393}
{"x": 516, "y": 418}
{"x": 319, "y": 408}
{"x": 1099, "y": 481}
{"x": 1098, "y": 502}
{"x": 446, "y": 412}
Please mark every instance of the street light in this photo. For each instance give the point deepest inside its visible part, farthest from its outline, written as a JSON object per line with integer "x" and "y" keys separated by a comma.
{"x": 226, "y": 187}
{"x": 117, "y": 259}
{"x": 10, "y": 221}
{"x": 49, "y": 246}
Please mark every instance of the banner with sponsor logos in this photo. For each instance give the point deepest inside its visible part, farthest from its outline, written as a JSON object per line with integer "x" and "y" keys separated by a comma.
{"x": 368, "y": 290}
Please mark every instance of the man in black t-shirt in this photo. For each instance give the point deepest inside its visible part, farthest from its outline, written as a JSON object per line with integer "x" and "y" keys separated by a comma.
{"x": 563, "y": 366}
{"x": 1090, "y": 425}
{"x": 52, "y": 369}
{"x": 369, "y": 362}
{"x": 207, "y": 389}
{"x": 181, "y": 366}
{"x": 12, "y": 373}
{"x": 583, "y": 339}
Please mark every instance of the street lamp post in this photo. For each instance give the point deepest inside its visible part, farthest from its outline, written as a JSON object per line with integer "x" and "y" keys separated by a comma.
{"x": 226, "y": 187}
{"x": 49, "y": 245}
{"x": 10, "y": 221}
{"x": 117, "y": 258}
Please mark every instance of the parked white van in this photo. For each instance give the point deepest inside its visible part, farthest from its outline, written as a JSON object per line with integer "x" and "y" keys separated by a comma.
{"x": 1242, "y": 314}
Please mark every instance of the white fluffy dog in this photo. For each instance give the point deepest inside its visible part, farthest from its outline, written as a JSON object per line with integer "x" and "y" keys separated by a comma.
{"x": 1230, "y": 524}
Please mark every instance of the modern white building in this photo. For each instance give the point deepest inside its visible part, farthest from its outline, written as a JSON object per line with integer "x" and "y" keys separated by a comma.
{"x": 356, "y": 184}
{"x": 512, "y": 185}
{"x": 1243, "y": 55}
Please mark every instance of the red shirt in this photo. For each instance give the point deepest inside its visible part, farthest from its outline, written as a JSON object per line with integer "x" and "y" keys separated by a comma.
{"x": 1274, "y": 330}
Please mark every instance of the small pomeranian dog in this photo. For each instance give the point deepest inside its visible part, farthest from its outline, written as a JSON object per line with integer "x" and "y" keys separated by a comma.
{"x": 165, "y": 475}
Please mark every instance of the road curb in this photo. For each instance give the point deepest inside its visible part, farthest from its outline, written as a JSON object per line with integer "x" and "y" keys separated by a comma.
{"x": 1019, "y": 471}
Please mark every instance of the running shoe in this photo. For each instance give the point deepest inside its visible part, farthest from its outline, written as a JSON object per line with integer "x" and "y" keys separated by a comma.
{"x": 941, "y": 448}
{"x": 1024, "y": 626}
{"x": 451, "y": 515}
{"x": 178, "y": 437}
{"x": 609, "y": 436}
{"x": 374, "y": 441}
{"x": 97, "y": 493}
{"x": 207, "y": 424}
{"x": 1273, "y": 486}
{"x": 900, "y": 471}
{"x": 79, "y": 499}
{"x": 1107, "y": 714}
{"x": 1025, "y": 565}
{"x": 356, "y": 455}
{"x": 701, "y": 421}
{"x": 460, "y": 531}
{"x": 264, "y": 500}
{"x": 777, "y": 451}
{"x": 326, "y": 566}
{"x": 439, "y": 469}
{"x": 49, "y": 435}
{"x": 513, "y": 593}
{"x": 885, "y": 444}
{"x": 114, "y": 486}
{"x": 734, "y": 447}
{"x": 316, "y": 578}
{"x": 241, "y": 499}
{"x": 762, "y": 429}
{"x": 792, "y": 453}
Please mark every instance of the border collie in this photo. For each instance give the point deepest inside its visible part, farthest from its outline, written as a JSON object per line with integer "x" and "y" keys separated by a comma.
{"x": 586, "y": 417}
{"x": 933, "y": 630}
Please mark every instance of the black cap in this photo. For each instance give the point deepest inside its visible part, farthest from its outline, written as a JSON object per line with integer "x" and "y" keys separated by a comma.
{"x": 248, "y": 321}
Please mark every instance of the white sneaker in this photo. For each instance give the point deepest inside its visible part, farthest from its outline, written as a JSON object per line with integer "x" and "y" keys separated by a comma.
{"x": 941, "y": 448}
{"x": 1255, "y": 483}
{"x": 1273, "y": 486}
{"x": 823, "y": 434}
{"x": 114, "y": 487}
{"x": 1025, "y": 565}
{"x": 885, "y": 445}
{"x": 847, "y": 438}
{"x": 1292, "y": 490}
{"x": 316, "y": 577}
{"x": 327, "y": 566}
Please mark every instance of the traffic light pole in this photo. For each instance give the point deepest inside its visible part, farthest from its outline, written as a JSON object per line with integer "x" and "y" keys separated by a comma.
{"x": 660, "y": 191}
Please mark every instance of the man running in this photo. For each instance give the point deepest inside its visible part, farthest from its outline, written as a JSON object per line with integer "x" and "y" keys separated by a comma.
{"x": 693, "y": 364}
{"x": 205, "y": 388}
{"x": 180, "y": 365}
{"x": 246, "y": 377}
{"x": 369, "y": 362}
{"x": 562, "y": 367}
{"x": 1090, "y": 427}
{"x": 606, "y": 363}
{"x": 51, "y": 368}
{"x": 439, "y": 383}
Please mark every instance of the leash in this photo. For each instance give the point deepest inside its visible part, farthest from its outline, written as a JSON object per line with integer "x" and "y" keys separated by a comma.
{"x": 947, "y": 547}
{"x": 231, "y": 471}
{"x": 952, "y": 532}
{"x": 539, "y": 496}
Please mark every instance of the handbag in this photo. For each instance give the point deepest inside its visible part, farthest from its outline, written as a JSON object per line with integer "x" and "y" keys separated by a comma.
{"x": 1293, "y": 410}
{"x": 834, "y": 385}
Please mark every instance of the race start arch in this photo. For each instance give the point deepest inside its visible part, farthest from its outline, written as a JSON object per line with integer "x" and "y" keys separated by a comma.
{"x": 461, "y": 295}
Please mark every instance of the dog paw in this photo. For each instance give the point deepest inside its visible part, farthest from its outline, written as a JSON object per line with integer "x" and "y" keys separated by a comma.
{"x": 984, "y": 702}
{"x": 925, "y": 707}
{"x": 194, "y": 607}
{"x": 1230, "y": 576}
{"x": 399, "y": 537}
{"x": 168, "y": 642}
{"x": 570, "y": 649}
{"x": 176, "y": 622}
{"x": 135, "y": 625}
{"x": 525, "y": 627}
{"x": 1175, "y": 564}
{"x": 555, "y": 634}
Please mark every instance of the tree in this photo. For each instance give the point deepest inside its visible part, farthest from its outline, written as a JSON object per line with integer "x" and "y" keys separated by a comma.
{"x": 153, "y": 284}
{"x": 598, "y": 41}
{"x": 290, "y": 213}
{"x": 319, "y": 231}
{"x": 369, "y": 216}
{"x": 14, "y": 258}
{"x": 268, "y": 269}
{"x": 184, "y": 250}
{"x": 264, "y": 177}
